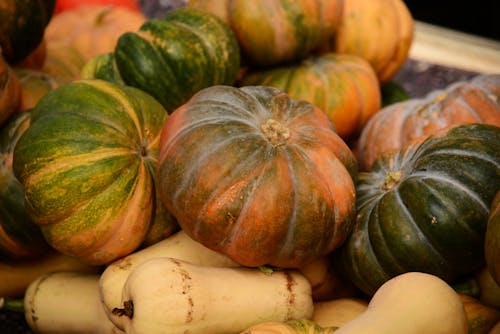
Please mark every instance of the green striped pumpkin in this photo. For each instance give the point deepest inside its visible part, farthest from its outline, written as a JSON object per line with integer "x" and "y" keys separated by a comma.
{"x": 492, "y": 240}
{"x": 425, "y": 208}
{"x": 174, "y": 57}
{"x": 88, "y": 164}
{"x": 20, "y": 237}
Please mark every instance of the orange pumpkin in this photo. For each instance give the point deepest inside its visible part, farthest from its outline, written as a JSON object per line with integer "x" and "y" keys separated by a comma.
{"x": 396, "y": 125}
{"x": 345, "y": 87}
{"x": 10, "y": 91}
{"x": 64, "y": 61}
{"x": 92, "y": 29}
{"x": 381, "y": 31}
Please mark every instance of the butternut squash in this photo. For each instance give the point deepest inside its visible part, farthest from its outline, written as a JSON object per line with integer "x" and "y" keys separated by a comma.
{"x": 17, "y": 276}
{"x": 480, "y": 317}
{"x": 411, "y": 303}
{"x": 166, "y": 295}
{"x": 179, "y": 246}
{"x": 337, "y": 312}
{"x": 66, "y": 303}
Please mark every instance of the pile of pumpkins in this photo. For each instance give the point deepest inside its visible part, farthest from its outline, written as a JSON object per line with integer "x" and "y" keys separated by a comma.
{"x": 255, "y": 133}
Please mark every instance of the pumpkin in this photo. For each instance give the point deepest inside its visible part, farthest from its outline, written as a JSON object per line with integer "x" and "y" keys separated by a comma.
{"x": 174, "y": 57}
{"x": 257, "y": 176}
{"x": 492, "y": 241}
{"x": 87, "y": 164}
{"x": 424, "y": 208}
{"x": 22, "y": 26}
{"x": 480, "y": 317}
{"x": 64, "y": 61}
{"x": 10, "y": 91}
{"x": 103, "y": 67}
{"x": 92, "y": 29}
{"x": 472, "y": 101}
{"x": 64, "y": 5}
{"x": 380, "y": 31}
{"x": 35, "y": 59}
{"x": 34, "y": 85}
{"x": 271, "y": 32}
{"x": 345, "y": 87}
{"x": 20, "y": 237}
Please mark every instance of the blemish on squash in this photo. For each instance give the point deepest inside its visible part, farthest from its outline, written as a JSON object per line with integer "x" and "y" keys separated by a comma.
{"x": 275, "y": 132}
{"x": 290, "y": 284}
{"x": 434, "y": 220}
{"x": 127, "y": 310}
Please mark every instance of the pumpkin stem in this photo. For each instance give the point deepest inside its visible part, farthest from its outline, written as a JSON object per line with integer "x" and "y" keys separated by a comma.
{"x": 15, "y": 305}
{"x": 392, "y": 179}
{"x": 275, "y": 132}
{"x": 127, "y": 310}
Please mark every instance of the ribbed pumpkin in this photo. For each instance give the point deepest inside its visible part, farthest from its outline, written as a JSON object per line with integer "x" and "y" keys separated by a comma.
{"x": 35, "y": 84}
{"x": 271, "y": 32}
{"x": 396, "y": 125}
{"x": 22, "y": 25}
{"x": 10, "y": 91}
{"x": 88, "y": 164}
{"x": 492, "y": 241}
{"x": 381, "y": 31}
{"x": 174, "y": 57}
{"x": 425, "y": 208}
{"x": 345, "y": 87}
{"x": 20, "y": 237}
{"x": 257, "y": 176}
{"x": 92, "y": 29}
{"x": 63, "y": 60}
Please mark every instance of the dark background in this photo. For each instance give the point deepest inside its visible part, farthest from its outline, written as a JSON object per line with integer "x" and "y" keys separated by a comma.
{"x": 479, "y": 17}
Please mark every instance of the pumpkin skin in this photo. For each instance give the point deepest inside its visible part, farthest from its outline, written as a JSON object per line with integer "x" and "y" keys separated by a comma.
{"x": 92, "y": 29}
{"x": 22, "y": 25}
{"x": 424, "y": 208}
{"x": 174, "y": 57}
{"x": 272, "y": 32}
{"x": 10, "y": 91}
{"x": 64, "y": 61}
{"x": 397, "y": 125}
{"x": 345, "y": 87}
{"x": 64, "y": 5}
{"x": 20, "y": 237}
{"x": 257, "y": 176}
{"x": 492, "y": 240}
{"x": 380, "y": 31}
{"x": 87, "y": 163}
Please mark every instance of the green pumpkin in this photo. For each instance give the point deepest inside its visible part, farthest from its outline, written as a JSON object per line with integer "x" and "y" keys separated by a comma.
{"x": 424, "y": 208}
{"x": 174, "y": 57}
{"x": 88, "y": 164}
{"x": 492, "y": 241}
{"x": 22, "y": 25}
{"x": 20, "y": 237}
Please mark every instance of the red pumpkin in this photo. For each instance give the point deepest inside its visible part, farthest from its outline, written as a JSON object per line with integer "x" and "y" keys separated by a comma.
{"x": 64, "y": 5}
{"x": 257, "y": 176}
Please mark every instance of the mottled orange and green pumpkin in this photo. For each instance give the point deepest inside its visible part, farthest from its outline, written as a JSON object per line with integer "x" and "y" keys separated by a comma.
{"x": 345, "y": 87}
{"x": 257, "y": 176}
{"x": 88, "y": 164}
{"x": 272, "y": 32}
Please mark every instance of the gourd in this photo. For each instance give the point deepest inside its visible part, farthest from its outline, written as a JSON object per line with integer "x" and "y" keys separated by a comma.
{"x": 345, "y": 87}
{"x": 17, "y": 275}
{"x": 174, "y": 57}
{"x": 92, "y": 29}
{"x": 337, "y": 312}
{"x": 20, "y": 237}
{"x": 87, "y": 163}
{"x": 63, "y": 61}
{"x": 489, "y": 290}
{"x": 424, "y": 208}
{"x": 64, "y": 5}
{"x": 66, "y": 302}
{"x": 480, "y": 317}
{"x": 302, "y": 326}
{"x": 10, "y": 91}
{"x": 166, "y": 295}
{"x": 272, "y": 32}
{"x": 380, "y": 31}
{"x": 178, "y": 246}
{"x": 469, "y": 101}
{"x": 252, "y": 174}
{"x": 22, "y": 26}
{"x": 415, "y": 303}
{"x": 492, "y": 240}
{"x": 35, "y": 84}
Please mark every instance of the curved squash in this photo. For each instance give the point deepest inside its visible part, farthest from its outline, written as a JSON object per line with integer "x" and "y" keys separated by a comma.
{"x": 492, "y": 240}
{"x": 88, "y": 164}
